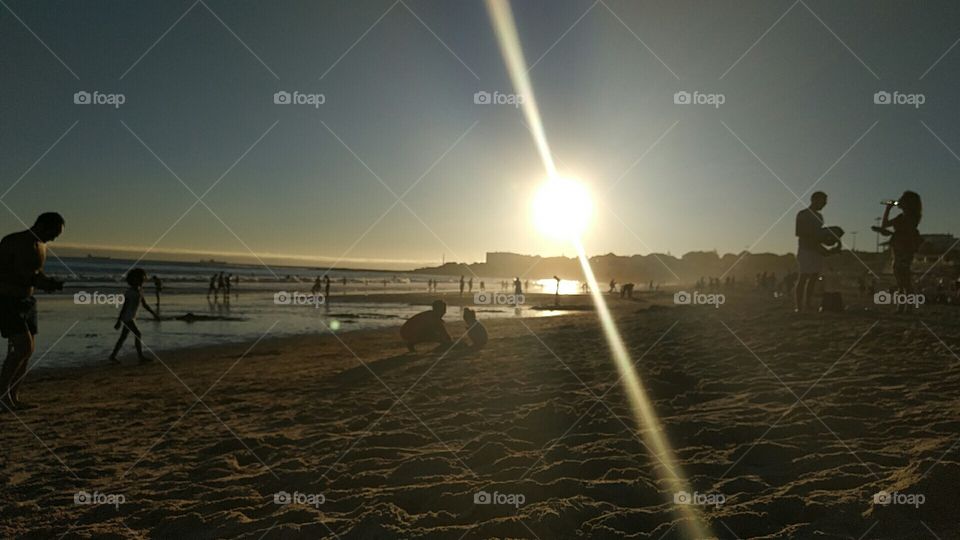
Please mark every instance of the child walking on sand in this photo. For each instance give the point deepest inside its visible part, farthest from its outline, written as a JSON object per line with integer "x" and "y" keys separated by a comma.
{"x": 133, "y": 299}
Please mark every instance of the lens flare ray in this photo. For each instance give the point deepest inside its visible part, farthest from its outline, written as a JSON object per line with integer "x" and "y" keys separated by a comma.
{"x": 693, "y": 524}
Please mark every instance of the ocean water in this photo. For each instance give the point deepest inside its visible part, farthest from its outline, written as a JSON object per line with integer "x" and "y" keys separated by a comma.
{"x": 76, "y": 325}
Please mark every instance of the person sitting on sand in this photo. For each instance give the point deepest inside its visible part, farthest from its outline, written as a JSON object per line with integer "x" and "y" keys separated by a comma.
{"x": 132, "y": 300}
{"x": 476, "y": 333}
{"x": 426, "y": 327}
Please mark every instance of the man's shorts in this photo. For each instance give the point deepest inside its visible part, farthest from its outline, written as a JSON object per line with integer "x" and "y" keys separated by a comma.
{"x": 809, "y": 261}
{"x": 17, "y": 316}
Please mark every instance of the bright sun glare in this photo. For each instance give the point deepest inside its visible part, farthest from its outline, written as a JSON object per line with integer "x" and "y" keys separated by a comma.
{"x": 562, "y": 208}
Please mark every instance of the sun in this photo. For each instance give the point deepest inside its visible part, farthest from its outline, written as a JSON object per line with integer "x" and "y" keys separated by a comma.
{"x": 562, "y": 208}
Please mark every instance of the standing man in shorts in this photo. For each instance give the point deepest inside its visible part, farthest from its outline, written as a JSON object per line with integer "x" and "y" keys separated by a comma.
{"x": 22, "y": 255}
{"x": 810, "y": 250}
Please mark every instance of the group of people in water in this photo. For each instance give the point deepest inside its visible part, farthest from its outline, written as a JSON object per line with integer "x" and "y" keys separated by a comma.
{"x": 221, "y": 283}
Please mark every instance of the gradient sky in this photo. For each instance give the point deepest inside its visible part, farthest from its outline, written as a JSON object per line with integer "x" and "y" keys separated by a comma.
{"x": 402, "y": 96}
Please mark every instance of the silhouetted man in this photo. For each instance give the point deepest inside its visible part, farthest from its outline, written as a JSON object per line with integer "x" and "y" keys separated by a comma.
{"x": 426, "y": 327}
{"x": 810, "y": 250}
{"x": 461, "y": 285}
{"x": 22, "y": 255}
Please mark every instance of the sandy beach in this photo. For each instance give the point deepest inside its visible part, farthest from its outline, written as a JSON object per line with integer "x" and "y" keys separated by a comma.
{"x": 796, "y": 421}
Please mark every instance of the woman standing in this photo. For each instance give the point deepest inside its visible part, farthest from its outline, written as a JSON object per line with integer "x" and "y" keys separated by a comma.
{"x": 905, "y": 240}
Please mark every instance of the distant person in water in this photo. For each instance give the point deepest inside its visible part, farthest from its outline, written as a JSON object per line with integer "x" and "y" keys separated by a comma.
{"x": 905, "y": 239}
{"x": 470, "y": 285}
{"x": 556, "y": 294}
{"x": 326, "y": 287}
{"x": 517, "y": 287}
{"x": 483, "y": 287}
{"x": 613, "y": 286}
{"x": 132, "y": 300}
{"x": 461, "y": 285}
{"x": 22, "y": 255}
{"x": 317, "y": 284}
{"x": 426, "y": 327}
{"x": 212, "y": 289}
{"x": 157, "y": 288}
{"x": 476, "y": 333}
{"x": 810, "y": 250}
{"x": 227, "y": 282}
{"x": 220, "y": 284}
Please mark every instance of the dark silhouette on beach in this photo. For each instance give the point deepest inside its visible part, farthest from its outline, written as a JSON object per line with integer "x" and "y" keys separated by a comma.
{"x": 127, "y": 319}
{"x": 157, "y": 289}
{"x": 810, "y": 250}
{"x": 426, "y": 327}
{"x": 476, "y": 333}
{"x": 905, "y": 238}
{"x": 22, "y": 255}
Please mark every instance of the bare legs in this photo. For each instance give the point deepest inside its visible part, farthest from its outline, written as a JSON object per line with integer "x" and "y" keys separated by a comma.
{"x": 804, "y": 291}
{"x": 129, "y": 327}
{"x": 19, "y": 349}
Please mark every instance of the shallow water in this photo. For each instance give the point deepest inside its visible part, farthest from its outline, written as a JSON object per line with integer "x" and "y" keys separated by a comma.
{"x": 73, "y": 334}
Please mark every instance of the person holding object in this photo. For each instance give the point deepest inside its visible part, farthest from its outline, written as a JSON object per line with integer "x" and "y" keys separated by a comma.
{"x": 810, "y": 250}
{"x": 905, "y": 238}
{"x": 22, "y": 255}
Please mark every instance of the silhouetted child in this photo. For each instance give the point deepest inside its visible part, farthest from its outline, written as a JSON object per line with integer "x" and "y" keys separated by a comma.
{"x": 426, "y": 327}
{"x": 132, "y": 300}
{"x": 476, "y": 333}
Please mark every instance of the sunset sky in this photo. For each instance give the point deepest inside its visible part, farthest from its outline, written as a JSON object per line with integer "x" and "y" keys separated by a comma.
{"x": 398, "y": 80}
